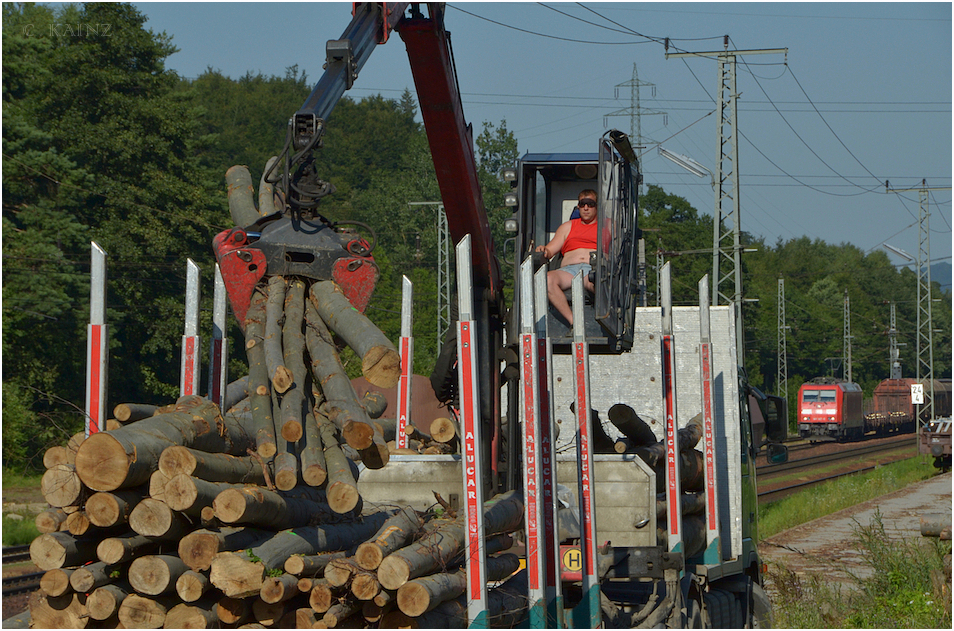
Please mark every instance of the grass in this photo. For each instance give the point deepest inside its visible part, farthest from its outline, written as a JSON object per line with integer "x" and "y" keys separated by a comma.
{"x": 841, "y": 493}
{"x": 19, "y": 532}
{"x": 15, "y": 479}
{"x": 907, "y": 588}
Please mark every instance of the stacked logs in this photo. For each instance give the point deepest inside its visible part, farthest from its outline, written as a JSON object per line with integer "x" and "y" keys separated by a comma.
{"x": 182, "y": 516}
{"x": 638, "y": 438}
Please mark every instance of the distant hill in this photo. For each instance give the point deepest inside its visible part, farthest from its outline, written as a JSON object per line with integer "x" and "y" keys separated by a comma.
{"x": 941, "y": 274}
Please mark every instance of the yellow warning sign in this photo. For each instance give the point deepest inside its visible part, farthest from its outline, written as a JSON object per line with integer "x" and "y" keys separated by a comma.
{"x": 572, "y": 560}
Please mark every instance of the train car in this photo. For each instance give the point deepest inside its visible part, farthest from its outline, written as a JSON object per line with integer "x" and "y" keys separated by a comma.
{"x": 830, "y": 410}
{"x": 891, "y": 408}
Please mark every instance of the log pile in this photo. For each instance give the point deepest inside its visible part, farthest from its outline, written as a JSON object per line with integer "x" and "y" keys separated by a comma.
{"x": 187, "y": 516}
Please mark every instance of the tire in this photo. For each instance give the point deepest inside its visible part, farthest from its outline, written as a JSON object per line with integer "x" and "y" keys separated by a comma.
{"x": 761, "y": 609}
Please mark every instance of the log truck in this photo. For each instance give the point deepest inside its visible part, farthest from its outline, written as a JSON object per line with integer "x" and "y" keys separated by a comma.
{"x": 635, "y": 553}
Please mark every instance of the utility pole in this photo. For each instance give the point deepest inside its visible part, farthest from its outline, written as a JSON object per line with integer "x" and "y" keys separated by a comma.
{"x": 635, "y": 110}
{"x": 846, "y": 340}
{"x": 925, "y": 336}
{"x": 443, "y": 271}
{"x": 782, "y": 379}
{"x": 726, "y": 245}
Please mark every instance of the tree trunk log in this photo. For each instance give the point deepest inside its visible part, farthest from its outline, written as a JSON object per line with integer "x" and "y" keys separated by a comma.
{"x": 51, "y": 520}
{"x": 365, "y": 585}
{"x": 268, "y": 614}
{"x": 210, "y": 467}
{"x": 258, "y": 380}
{"x": 78, "y": 524}
{"x": 258, "y": 506}
{"x": 279, "y": 375}
{"x": 233, "y": 611}
{"x": 241, "y": 194}
{"x": 87, "y": 578}
{"x": 380, "y": 361}
{"x": 238, "y": 575}
{"x": 61, "y": 612}
{"x": 286, "y": 471}
{"x": 54, "y": 550}
{"x": 152, "y": 518}
{"x": 56, "y": 582}
{"x": 191, "y": 585}
{"x": 124, "y": 547}
{"x": 199, "y": 615}
{"x": 131, "y": 412}
{"x": 339, "y": 572}
{"x": 104, "y": 602}
{"x": 321, "y": 596}
{"x": 111, "y": 509}
{"x": 58, "y": 454}
{"x": 342, "y": 488}
{"x": 396, "y": 533}
{"x": 443, "y": 430}
{"x": 313, "y": 468}
{"x": 277, "y": 589}
{"x": 312, "y": 564}
{"x": 156, "y": 574}
{"x": 293, "y": 349}
{"x": 634, "y": 428}
{"x": 198, "y": 548}
{"x": 61, "y": 486}
{"x": 342, "y": 406}
{"x": 190, "y": 495}
{"x": 140, "y": 612}
{"x": 435, "y": 550}
{"x": 127, "y": 456}
{"x": 305, "y": 618}
{"x": 339, "y": 611}
{"x": 157, "y": 486}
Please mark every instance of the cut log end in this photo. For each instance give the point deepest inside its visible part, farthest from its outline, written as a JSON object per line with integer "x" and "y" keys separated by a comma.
{"x": 393, "y": 572}
{"x": 282, "y": 380}
{"x": 382, "y": 366}
{"x": 102, "y": 463}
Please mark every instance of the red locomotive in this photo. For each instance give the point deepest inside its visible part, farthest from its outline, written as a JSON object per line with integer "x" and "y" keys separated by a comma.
{"x": 830, "y": 410}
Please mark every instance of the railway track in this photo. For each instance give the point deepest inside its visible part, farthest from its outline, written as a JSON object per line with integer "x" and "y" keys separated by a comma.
{"x": 23, "y": 584}
{"x": 813, "y": 464}
{"x": 16, "y": 554}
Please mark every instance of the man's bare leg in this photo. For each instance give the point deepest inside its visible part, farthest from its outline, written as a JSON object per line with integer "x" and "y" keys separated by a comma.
{"x": 559, "y": 281}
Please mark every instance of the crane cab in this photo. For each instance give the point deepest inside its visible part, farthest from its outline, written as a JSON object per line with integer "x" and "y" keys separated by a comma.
{"x": 547, "y": 189}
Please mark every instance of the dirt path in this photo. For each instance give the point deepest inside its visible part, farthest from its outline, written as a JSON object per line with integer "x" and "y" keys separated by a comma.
{"x": 824, "y": 546}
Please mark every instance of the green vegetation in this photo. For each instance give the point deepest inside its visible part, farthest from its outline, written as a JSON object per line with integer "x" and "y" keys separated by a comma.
{"x": 906, "y": 588}
{"x": 102, "y": 142}
{"x": 19, "y": 532}
{"x": 840, "y": 493}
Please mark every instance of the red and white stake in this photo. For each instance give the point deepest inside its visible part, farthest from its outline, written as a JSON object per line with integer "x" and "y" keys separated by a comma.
{"x": 673, "y": 483}
{"x": 97, "y": 343}
{"x": 530, "y": 426}
{"x": 218, "y": 351}
{"x": 189, "y": 373}
{"x": 584, "y": 457}
{"x": 548, "y": 474}
{"x": 713, "y": 553}
{"x": 407, "y": 362}
{"x": 477, "y": 604}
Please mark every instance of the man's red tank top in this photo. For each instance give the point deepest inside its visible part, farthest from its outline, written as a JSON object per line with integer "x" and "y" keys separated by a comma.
{"x": 581, "y": 236}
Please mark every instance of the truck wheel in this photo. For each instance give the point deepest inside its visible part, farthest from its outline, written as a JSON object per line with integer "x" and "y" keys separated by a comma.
{"x": 761, "y": 608}
{"x": 694, "y": 615}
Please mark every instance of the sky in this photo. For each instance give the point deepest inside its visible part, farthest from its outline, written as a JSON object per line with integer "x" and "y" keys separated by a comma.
{"x": 862, "y": 95}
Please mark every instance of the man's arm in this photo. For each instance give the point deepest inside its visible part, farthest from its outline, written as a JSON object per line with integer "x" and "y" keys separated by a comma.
{"x": 556, "y": 243}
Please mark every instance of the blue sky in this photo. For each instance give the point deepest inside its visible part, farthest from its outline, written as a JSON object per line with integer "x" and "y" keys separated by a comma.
{"x": 863, "y": 94}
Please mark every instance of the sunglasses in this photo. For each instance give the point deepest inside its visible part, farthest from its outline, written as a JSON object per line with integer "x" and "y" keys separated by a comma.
{"x": 587, "y": 202}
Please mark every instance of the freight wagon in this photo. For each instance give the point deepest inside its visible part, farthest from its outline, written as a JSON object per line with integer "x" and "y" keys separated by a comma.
{"x": 891, "y": 408}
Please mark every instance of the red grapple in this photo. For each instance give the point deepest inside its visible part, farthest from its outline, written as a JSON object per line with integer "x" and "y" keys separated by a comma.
{"x": 243, "y": 265}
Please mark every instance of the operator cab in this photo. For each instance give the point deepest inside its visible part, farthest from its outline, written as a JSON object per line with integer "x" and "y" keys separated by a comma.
{"x": 548, "y": 185}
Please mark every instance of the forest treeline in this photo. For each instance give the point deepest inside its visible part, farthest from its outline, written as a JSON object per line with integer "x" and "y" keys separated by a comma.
{"x": 101, "y": 142}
